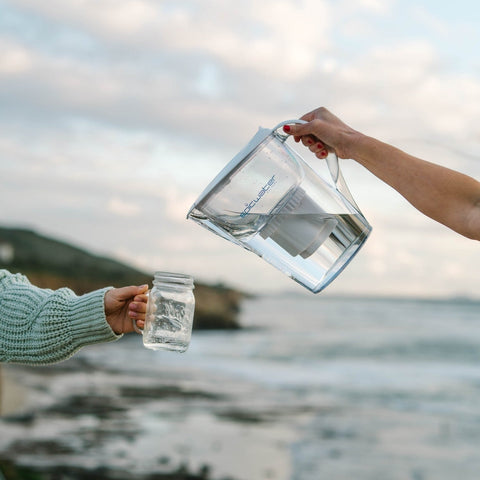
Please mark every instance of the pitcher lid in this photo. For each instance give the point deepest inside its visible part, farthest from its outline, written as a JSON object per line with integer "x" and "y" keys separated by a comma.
{"x": 261, "y": 135}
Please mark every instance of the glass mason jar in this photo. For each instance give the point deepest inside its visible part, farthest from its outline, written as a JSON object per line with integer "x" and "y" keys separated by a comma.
{"x": 170, "y": 308}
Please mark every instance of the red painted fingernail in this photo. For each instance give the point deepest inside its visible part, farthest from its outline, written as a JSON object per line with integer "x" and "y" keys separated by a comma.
{"x": 286, "y": 128}
{"x": 320, "y": 145}
{"x": 324, "y": 152}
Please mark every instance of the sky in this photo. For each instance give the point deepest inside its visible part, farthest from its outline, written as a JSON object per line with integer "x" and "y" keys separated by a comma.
{"x": 115, "y": 114}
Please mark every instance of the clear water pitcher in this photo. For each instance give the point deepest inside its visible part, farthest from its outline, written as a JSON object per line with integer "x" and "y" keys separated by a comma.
{"x": 271, "y": 202}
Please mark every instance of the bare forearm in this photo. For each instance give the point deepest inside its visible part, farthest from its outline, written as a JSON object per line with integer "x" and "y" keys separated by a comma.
{"x": 445, "y": 195}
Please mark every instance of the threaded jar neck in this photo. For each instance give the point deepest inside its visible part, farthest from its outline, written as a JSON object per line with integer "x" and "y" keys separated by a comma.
{"x": 173, "y": 280}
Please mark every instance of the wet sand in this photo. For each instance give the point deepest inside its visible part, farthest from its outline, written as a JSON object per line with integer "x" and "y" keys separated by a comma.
{"x": 12, "y": 394}
{"x": 98, "y": 424}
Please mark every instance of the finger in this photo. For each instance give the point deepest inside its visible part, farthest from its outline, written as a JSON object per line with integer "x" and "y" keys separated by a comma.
{"x": 322, "y": 154}
{"x": 137, "y": 316}
{"x": 141, "y": 298}
{"x": 317, "y": 147}
{"x": 312, "y": 141}
{"x": 140, "y": 307}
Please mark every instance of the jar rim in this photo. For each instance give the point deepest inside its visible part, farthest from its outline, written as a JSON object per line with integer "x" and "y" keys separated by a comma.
{"x": 173, "y": 278}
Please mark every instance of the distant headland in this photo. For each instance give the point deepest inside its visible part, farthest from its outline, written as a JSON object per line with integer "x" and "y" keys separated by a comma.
{"x": 51, "y": 263}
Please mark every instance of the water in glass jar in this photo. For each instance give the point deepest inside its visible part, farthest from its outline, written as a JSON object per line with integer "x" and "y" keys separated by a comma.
{"x": 168, "y": 325}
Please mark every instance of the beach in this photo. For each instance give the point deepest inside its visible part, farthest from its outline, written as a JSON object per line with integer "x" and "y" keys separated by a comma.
{"x": 12, "y": 395}
{"x": 313, "y": 387}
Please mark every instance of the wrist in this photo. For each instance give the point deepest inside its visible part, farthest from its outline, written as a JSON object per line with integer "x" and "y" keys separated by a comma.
{"x": 357, "y": 146}
{"x": 110, "y": 316}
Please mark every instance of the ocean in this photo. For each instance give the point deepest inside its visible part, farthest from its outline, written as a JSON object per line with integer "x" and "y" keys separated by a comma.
{"x": 313, "y": 387}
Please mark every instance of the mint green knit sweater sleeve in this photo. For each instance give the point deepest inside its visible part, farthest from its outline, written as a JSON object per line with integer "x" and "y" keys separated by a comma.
{"x": 42, "y": 326}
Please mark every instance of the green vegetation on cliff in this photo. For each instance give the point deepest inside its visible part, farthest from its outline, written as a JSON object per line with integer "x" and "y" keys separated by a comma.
{"x": 50, "y": 263}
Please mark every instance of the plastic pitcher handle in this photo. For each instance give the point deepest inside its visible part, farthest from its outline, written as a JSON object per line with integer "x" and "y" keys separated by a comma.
{"x": 332, "y": 163}
{"x": 337, "y": 176}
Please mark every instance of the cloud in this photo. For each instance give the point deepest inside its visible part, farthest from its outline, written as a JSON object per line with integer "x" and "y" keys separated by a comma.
{"x": 14, "y": 59}
{"x": 240, "y": 36}
{"x": 122, "y": 17}
{"x": 183, "y": 69}
{"x": 429, "y": 20}
{"x": 174, "y": 51}
{"x": 122, "y": 208}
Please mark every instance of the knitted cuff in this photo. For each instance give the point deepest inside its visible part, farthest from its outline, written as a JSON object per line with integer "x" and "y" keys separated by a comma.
{"x": 88, "y": 323}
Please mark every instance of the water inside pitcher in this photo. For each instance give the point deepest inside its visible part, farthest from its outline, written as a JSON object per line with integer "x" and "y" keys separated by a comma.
{"x": 271, "y": 202}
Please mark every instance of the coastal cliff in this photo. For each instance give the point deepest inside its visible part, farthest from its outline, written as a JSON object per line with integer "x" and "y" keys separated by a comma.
{"x": 50, "y": 263}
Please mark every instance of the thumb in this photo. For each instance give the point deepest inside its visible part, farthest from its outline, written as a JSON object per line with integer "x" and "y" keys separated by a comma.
{"x": 126, "y": 293}
{"x": 298, "y": 130}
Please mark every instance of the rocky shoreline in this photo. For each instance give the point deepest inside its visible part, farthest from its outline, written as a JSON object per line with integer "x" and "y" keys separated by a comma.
{"x": 82, "y": 419}
{"x": 15, "y": 472}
